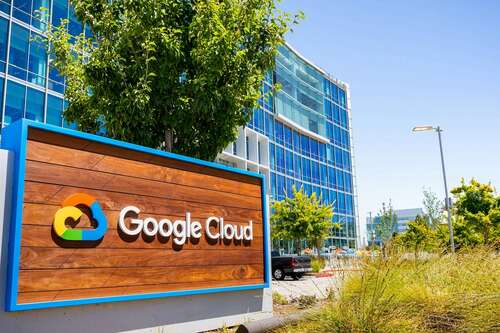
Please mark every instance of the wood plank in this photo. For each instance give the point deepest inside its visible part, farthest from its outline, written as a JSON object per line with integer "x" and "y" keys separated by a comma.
{"x": 42, "y": 236}
{"x": 63, "y": 279}
{"x": 61, "y": 258}
{"x": 59, "y": 295}
{"x": 43, "y": 152}
{"x": 43, "y": 193}
{"x": 97, "y": 180}
{"x": 99, "y": 148}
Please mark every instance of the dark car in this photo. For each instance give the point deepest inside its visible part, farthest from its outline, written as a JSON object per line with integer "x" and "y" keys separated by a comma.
{"x": 289, "y": 265}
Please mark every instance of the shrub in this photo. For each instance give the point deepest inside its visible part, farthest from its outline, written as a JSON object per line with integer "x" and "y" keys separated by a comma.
{"x": 279, "y": 299}
{"x": 306, "y": 301}
{"x": 449, "y": 293}
{"x": 317, "y": 264}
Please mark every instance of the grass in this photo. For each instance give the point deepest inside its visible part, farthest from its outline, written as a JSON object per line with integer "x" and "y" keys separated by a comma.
{"x": 317, "y": 264}
{"x": 448, "y": 293}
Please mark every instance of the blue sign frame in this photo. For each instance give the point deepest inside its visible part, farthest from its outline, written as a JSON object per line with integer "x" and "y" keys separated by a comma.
{"x": 15, "y": 137}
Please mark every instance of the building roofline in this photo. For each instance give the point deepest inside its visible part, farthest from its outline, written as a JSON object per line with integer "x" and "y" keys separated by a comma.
{"x": 319, "y": 69}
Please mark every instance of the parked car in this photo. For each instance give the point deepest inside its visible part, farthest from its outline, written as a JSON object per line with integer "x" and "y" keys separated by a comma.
{"x": 289, "y": 265}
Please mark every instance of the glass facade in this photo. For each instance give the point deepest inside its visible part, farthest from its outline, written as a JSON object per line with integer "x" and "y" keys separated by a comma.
{"x": 29, "y": 88}
{"x": 307, "y": 123}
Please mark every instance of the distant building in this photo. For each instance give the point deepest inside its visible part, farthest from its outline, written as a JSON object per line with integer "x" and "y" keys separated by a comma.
{"x": 401, "y": 216}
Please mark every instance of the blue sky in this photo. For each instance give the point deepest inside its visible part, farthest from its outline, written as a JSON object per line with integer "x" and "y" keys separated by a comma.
{"x": 409, "y": 63}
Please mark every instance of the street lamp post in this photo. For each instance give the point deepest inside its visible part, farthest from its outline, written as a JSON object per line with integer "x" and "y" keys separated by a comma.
{"x": 447, "y": 198}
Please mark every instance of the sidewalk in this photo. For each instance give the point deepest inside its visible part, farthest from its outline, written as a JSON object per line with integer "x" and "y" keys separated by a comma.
{"x": 308, "y": 285}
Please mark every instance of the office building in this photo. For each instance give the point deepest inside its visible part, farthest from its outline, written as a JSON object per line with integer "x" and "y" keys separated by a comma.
{"x": 300, "y": 136}
{"x": 400, "y": 223}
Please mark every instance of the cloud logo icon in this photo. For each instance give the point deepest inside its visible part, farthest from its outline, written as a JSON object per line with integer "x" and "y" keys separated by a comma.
{"x": 70, "y": 210}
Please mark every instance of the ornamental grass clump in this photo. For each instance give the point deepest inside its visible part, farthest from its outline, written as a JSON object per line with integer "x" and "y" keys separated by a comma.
{"x": 441, "y": 293}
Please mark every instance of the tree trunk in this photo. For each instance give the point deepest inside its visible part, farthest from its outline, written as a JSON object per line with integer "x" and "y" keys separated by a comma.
{"x": 169, "y": 140}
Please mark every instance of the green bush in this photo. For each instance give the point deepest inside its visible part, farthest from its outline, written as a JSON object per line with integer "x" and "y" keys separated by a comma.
{"x": 317, "y": 264}
{"x": 449, "y": 293}
{"x": 279, "y": 299}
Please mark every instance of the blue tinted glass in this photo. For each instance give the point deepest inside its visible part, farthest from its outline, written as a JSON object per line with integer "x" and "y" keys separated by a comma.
{"x": 306, "y": 169}
{"x": 304, "y": 145}
{"x": 54, "y": 110}
{"x": 278, "y": 131}
{"x": 289, "y": 163}
{"x": 5, "y": 6}
{"x": 315, "y": 171}
{"x": 338, "y": 157}
{"x": 40, "y": 17}
{"x": 289, "y": 188}
{"x": 322, "y": 152}
{"x": 272, "y": 159}
{"x": 34, "y": 104}
{"x": 74, "y": 27}
{"x": 340, "y": 179}
{"x": 288, "y": 137}
{"x": 1, "y": 98}
{"x": 59, "y": 11}
{"x": 280, "y": 159}
{"x": 280, "y": 186}
{"x": 19, "y": 41}
{"x": 273, "y": 184}
{"x": 269, "y": 124}
{"x": 4, "y": 25}
{"x": 296, "y": 165}
{"x": 37, "y": 60}
{"x": 22, "y": 10}
{"x": 331, "y": 177}
{"x": 296, "y": 141}
{"x": 314, "y": 148}
{"x": 14, "y": 103}
{"x": 323, "y": 174}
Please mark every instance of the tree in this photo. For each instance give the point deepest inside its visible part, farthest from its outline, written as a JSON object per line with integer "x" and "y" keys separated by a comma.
{"x": 419, "y": 236}
{"x": 433, "y": 208}
{"x": 170, "y": 74}
{"x": 385, "y": 225}
{"x": 477, "y": 207}
{"x": 302, "y": 217}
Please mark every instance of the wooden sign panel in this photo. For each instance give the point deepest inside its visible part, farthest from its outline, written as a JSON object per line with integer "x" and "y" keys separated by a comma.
{"x": 97, "y": 220}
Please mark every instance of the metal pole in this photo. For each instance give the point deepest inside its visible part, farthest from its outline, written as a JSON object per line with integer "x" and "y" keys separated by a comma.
{"x": 447, "y": 203}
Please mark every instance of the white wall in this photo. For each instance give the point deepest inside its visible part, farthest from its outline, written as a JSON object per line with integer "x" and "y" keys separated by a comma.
{"x": 173, "y": 314}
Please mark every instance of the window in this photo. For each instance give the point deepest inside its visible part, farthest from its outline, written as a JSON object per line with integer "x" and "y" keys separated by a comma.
{"x": 37, "y": 60}
{"x": 18, "y": 58}
{"x": 289, "y": 163}
{"x": 296, "y": 165}
{"x": 278, "y": 131}
{"x": 323, "y": 174}
{"x": 273, "y": 184}
{"x": 22, "y": 10}
{"x": 280, "y": 159}
{"x": 306, "y": 169}
{"x": 340, "y": 179}
{"x": 331, "y": 178}
{"x": 322, "y": 152}
{"x": 59, "y": 11}
{"x": 1, "y": 98}
{"x": 54, "y": 110}
{"x": 314, "y": 149}
{"x": 34, "y": 104}
{"x": 304, "y": 145}
{"x": 288, "y": 137}
{"x": 269, "y": 125}
{"x": 272, "y": 159}
{"x": 4, "y": 27}
{"x": 315, "y": 172}
{"x": 5, "y": 6}
{"x": 39, "y": 19}
{"x": 296, "y": 141}
{"x": 14, "y": 103}
{"x": 74, "y": 26}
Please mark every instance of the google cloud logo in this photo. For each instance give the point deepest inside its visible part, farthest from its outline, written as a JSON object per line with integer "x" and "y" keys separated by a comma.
{"x": 70, "y": 210}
